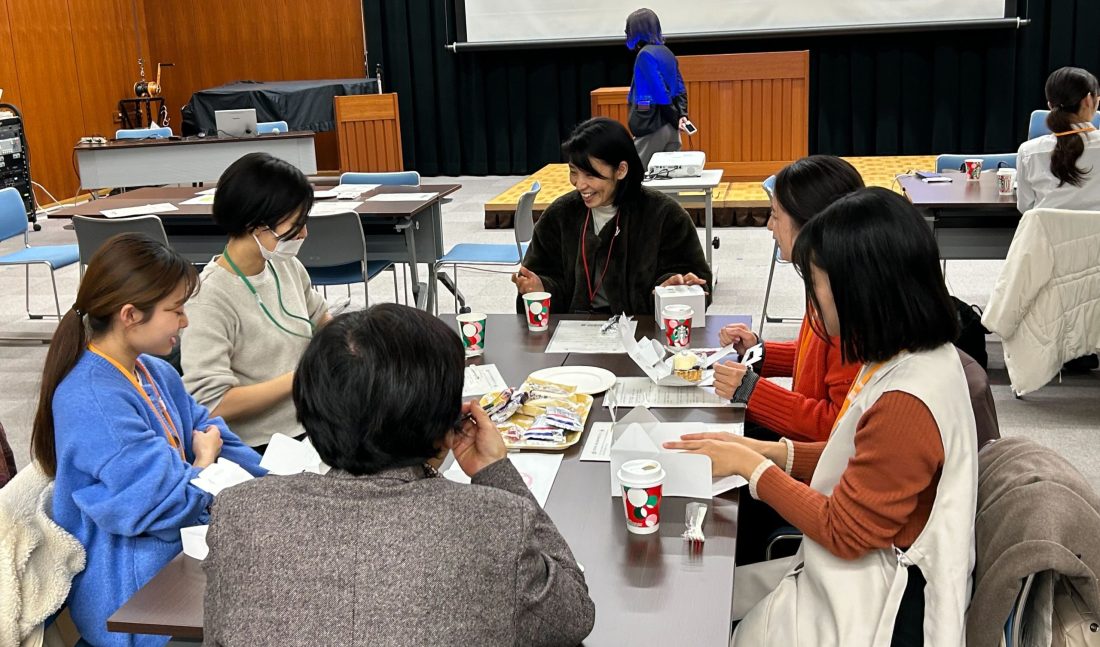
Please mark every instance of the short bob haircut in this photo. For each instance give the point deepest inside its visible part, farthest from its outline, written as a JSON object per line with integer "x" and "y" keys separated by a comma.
{"x": 380, "y": 388}
{"x": 643, "y": 27}
{"x": 806, "y": 186}
{"x": 259, "y": 190}
{"x": 883, "y": 268}
{"x": 608, "y": 141}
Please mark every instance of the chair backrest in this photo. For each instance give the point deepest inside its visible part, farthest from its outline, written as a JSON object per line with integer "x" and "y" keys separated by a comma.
{"x": 333, "y": 239}
{"x": 992, "y": 161}
{"x": 396, "y": 178}
{"x": 524, "y": 222}
{"x": 13, "y": 214}
{"x": 266, "y": 127}
{"x": 769, "y": 185}
{"x": 1037, "y": 125}
{"x": 144, "y": 133}
{"x": 91, "y": 233}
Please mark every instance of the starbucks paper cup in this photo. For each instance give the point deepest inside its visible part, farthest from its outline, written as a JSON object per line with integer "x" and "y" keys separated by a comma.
{"x": 642, "y": 482}
{"x": 537, "y": 306}
{"x": 471, "y": 327}
{"x": 676, "y": 321}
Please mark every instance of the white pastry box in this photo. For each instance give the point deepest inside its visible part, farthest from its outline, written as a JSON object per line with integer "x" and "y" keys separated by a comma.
{"x": 690, "y": 295}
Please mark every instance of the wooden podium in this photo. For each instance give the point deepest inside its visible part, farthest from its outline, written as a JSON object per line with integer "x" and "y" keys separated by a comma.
{"x": 752, "y": 110}
{"x": 368, "y": 131}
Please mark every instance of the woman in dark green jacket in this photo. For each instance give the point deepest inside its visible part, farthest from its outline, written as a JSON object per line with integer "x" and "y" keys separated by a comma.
{"x": 604, "y": 247}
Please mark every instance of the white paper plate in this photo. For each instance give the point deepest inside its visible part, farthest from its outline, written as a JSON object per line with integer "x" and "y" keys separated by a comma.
{"x": 588, "y": 379}
{"x": 324, "y": 195}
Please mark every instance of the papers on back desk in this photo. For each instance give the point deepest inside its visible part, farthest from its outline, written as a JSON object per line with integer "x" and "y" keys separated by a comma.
{"x": 160, "y": 207}
{"x": 585, "y": 337}
{"x": 329, "y": 208}
{"x": 642, "y": 392}
{"x": 402, "y": 197}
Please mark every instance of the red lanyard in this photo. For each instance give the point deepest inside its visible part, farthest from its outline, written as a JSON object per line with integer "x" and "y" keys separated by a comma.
{"x": 584, "y": 256}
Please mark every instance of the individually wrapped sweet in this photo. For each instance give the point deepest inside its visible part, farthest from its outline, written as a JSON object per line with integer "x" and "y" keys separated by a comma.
{"x": 505, "y": 403}
{"x": 564, "y": 418}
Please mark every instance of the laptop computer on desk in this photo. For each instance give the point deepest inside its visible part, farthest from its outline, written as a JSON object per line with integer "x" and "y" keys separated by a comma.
{"x": 235, "y": 123}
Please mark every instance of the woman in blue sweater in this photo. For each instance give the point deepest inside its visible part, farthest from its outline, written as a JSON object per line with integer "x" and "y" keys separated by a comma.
{"x": 658, "y": 98}
{"x": 119, "y": 433}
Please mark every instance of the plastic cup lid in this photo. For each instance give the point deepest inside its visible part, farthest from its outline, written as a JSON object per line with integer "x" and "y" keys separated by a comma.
{"x": 642, "y": 472}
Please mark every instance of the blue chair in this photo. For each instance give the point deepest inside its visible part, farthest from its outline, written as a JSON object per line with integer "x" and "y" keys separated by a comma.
{"x": 13, "y": 222}
{"x": 769, "y": 188}
{"x": 269, "y": 127}
{"x": 991, "y": 161}
{"x": 392, "y": 178}
{"x": 144, "y": 133}
{"x": 482, "y": 254}
{"x": 1037, "y": 125}
{"x": 335, "y": 252}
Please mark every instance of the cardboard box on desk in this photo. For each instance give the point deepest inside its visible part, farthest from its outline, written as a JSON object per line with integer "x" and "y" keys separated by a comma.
{"x": 650, "y": 356}
{"x": 639, "y": 434}
{"x": 690, "y": 295}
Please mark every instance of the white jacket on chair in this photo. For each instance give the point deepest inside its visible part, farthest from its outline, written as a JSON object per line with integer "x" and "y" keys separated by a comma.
{"x": 1046, "y": 303}
{"x": 38, "y": 559}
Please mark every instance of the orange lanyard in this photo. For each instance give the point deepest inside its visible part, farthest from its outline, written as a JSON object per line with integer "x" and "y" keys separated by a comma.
{"x": 804, "y": 336}
{"x": 857, "y": 386}
{"x": 161, "y": 412}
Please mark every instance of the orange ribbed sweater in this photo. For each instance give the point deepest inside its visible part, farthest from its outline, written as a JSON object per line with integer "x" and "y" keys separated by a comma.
{"x": 821, "y": 381}
{"x": 885, "y": 494}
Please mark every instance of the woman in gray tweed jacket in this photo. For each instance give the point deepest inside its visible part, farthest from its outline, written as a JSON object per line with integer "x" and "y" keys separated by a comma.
{"x": 381, "y": 551}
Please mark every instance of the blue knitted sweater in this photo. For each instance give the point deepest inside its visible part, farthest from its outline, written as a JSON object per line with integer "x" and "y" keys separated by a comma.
{"x": 121, "y": 489}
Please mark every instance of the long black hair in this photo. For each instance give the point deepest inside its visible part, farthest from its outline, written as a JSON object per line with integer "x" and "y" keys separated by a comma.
{"x": 1066, "y": 89}
{"x": 806, "y": 186}
{"x": 882, "y": 263}
{"x": 608, "y": 141}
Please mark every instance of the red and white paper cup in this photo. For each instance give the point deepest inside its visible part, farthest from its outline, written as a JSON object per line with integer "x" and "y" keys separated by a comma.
{"x": 973, "y": 168}
{"x": 676, "y": 321}
{"x": 642, "y": 482}
{"x": 471, "y": 327}
{"x": 537, "y": 306}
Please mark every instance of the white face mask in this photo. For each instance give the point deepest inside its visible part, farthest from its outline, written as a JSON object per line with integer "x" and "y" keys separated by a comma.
{"x": 284, "y": 249}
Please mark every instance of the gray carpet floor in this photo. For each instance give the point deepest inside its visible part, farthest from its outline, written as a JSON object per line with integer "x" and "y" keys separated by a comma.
{"x": 1064, "y": 415}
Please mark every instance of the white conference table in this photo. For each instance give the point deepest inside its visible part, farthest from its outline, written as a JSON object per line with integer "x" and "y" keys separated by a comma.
{"x": 707, "y": 182}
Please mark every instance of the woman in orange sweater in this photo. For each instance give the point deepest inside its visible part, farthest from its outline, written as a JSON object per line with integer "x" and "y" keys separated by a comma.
{"x": 887, "y": 503}
{"x": 821, "y": 376}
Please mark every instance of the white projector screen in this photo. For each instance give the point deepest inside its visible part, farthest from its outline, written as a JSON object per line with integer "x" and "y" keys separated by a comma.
{"x": 511, "y": 21}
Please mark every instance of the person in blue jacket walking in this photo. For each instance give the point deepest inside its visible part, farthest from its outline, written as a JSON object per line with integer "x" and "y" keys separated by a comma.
{"x": 120, "y": 434}
{"x": 658, "y": 98}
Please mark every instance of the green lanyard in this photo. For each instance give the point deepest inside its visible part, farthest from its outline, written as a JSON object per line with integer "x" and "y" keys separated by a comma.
{"x": 278, "y": 291}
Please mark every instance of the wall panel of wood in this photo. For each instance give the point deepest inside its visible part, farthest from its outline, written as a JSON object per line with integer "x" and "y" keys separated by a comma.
{"x": 213, "y": 42}
{"x": 752, "y": 110}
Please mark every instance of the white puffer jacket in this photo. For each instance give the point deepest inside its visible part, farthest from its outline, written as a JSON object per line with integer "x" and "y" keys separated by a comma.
{"x": 1046, "y": 304}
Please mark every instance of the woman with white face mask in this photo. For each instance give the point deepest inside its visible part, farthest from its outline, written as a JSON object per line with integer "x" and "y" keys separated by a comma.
{"x": 256, "y": 310}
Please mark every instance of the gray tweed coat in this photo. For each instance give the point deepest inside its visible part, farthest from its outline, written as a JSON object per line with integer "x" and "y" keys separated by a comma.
{"x": 395, "y": 558}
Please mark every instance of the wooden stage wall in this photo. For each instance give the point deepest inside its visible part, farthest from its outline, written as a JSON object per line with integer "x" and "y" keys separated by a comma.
{"x": 752, "y": 110}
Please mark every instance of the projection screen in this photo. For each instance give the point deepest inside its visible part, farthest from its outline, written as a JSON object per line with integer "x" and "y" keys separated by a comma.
{"x": 548, "y": 22}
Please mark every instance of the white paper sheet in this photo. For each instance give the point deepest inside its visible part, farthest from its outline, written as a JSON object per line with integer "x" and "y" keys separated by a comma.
{"x": 480, "y": 380}
{"x": 352, "y": 191}
{"x": 328, "y": 208}
{"x": 585, "y": 337}
{"x": 160, "y": 207}
{"x": 642, "y": 392}
{"x": 194, "y": 542}
{"x": 200, "y": 199}
{"x": 220, "y": 475}
{"x": 401, "y": 197}
{"x": 597, "y": 447}
{"x": 207, "y": 192}
{"x": 285, "y": 456}
{"x": 538, "y": 469}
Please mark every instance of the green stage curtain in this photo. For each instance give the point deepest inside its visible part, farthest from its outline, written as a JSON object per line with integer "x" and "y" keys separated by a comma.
{"x": 505, "y": 112}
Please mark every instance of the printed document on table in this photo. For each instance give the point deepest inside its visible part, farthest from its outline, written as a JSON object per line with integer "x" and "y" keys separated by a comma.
{"x": 597, "y": 447}
{"x": 538, "y": 469}
{"x": 401, "y": 197}
{"x": 200, "y": 199}
{"x": 642, "y": 392}
{"x": 329, "y": 208}
{"x": 160, "y": 207}
{"x": 585, "y": 337}
{"x": 481, "y": 380}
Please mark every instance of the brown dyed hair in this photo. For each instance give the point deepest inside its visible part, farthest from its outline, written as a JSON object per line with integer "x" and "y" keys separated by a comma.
{"x": 1066, "y": 88}
{"x": 128, "y": 269}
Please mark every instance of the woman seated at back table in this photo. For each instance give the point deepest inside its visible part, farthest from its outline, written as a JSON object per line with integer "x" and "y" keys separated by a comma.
{"x": 887, "y": 502}
{"x": 118, "y": 432}
{"x": 382, "y": 550}
{"x": 256, "y": 310}
{"x": 1062, "y": 170}
{"x": 607, "y": 245}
